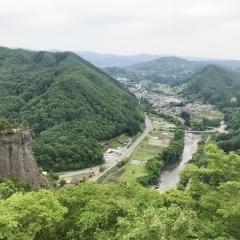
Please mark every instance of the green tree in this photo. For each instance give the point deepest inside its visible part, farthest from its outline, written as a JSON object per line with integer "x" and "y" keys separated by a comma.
{"x": 30, "y": 215}
{"x": 5, "y": 125}
{"x": 62, "y": 182}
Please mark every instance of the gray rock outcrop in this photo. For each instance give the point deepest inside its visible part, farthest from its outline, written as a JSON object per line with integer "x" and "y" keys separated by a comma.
{"x": 16, "y": 157}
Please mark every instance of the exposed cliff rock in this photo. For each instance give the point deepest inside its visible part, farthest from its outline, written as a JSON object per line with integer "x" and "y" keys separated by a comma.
{"x": 16, "y": 158}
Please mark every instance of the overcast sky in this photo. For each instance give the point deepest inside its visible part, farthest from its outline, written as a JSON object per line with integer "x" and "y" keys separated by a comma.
{"x": 203, "y": 28}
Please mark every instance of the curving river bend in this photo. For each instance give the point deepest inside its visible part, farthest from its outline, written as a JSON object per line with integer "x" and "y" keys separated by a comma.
{"x": 170, "y": 173}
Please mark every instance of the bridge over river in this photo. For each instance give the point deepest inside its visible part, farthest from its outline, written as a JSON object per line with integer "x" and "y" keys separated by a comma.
{"x": 170, "y": 173}
{"x": 207, "y": 131}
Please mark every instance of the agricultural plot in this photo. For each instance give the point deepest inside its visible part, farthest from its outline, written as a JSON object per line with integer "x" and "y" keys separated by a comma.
{"x": 115, "y": 177}
{"x": 161, "y": 143}
{"x": 145, "y": 152}
{"x": 156, "y": 141}
{"x": 208, "y": 113}
{"x": 211, "y": 114}
{"x": 133, "y": 172}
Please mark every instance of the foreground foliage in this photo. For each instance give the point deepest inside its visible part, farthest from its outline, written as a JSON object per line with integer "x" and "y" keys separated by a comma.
{"x": 208, "y": 209}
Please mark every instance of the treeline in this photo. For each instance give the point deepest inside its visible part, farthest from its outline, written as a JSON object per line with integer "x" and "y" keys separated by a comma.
{"x": 214, "y": 122}
{"x": 199, "y": 125}
{"x": 68, "y": 103}
{"x": 7, "y": 127}
{"x": 204, "y": 123}
{"x": 130, "y": 211}
{"x": 171, "y": 119}
{"x": 153, "y": 168}
{"x": 168, "y": 155}
{"x": 230, "y": 141}
{"x": 174, "y": 151}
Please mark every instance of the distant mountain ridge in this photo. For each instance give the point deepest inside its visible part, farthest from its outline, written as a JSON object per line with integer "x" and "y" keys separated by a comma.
{"x": 164, "y": 69}
{"x": 167, "y": 70}
{"x": 110, "y": 60}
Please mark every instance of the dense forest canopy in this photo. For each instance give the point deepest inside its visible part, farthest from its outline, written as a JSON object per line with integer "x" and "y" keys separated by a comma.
{"x": 69, "y": 104}
{"x": 207, "y": 209}
{"x": 215, "y": 85}
{"x": 168, "y": 70}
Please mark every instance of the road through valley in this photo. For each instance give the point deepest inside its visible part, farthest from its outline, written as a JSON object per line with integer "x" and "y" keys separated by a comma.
{"x": 118, "y": 158}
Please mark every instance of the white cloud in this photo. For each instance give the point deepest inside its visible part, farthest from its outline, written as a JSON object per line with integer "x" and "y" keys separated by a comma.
{"x": 186, "y": 27}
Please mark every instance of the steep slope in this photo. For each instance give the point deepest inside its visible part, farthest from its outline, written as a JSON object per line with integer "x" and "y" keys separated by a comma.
{"x": 171, "y": 70}
{"x": 215, "y": 85}
{"x": 16, "y": 158}
{"x": 69, "y": 104}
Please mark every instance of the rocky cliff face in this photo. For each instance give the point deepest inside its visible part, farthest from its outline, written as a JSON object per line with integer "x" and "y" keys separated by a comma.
{"x": 16, "y": 158}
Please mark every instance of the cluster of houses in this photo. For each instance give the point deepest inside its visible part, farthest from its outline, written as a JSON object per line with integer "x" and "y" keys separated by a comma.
{"x": 127, "y": 142}
{"x": 161, "y": 101}
{"x": 155, "y": 99}
{"x": 112, "y": 152}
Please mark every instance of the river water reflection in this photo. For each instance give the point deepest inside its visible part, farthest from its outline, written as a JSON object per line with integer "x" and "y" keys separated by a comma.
{"x": 170, "y": 173}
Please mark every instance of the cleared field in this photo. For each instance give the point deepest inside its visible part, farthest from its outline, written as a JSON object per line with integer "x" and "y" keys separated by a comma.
{"x": 133, "y": 172}
{"x": 150, "y": 147}
{"x": 157, "y": 142}
{"x": 144, "y": 153}
{"x": 199, "y": 116}
{"x": 211, "y": 114}
{"x": 116, "y": 176}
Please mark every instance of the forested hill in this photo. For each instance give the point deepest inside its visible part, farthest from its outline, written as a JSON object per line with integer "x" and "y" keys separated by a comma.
{"x": 216, "y": 85}
{"x": 171, "y": 70}
{"x": 69, "y": 104}
{"x": 122, "y": 72}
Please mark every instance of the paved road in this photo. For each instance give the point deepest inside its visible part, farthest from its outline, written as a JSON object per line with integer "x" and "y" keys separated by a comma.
{"x": 113, "y": 163}
{"x": 87, "y": 170}
{"x": 130, "y": 149}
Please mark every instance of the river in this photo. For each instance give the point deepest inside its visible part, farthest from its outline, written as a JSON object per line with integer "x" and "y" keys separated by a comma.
{"x": 170, "y": 173}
